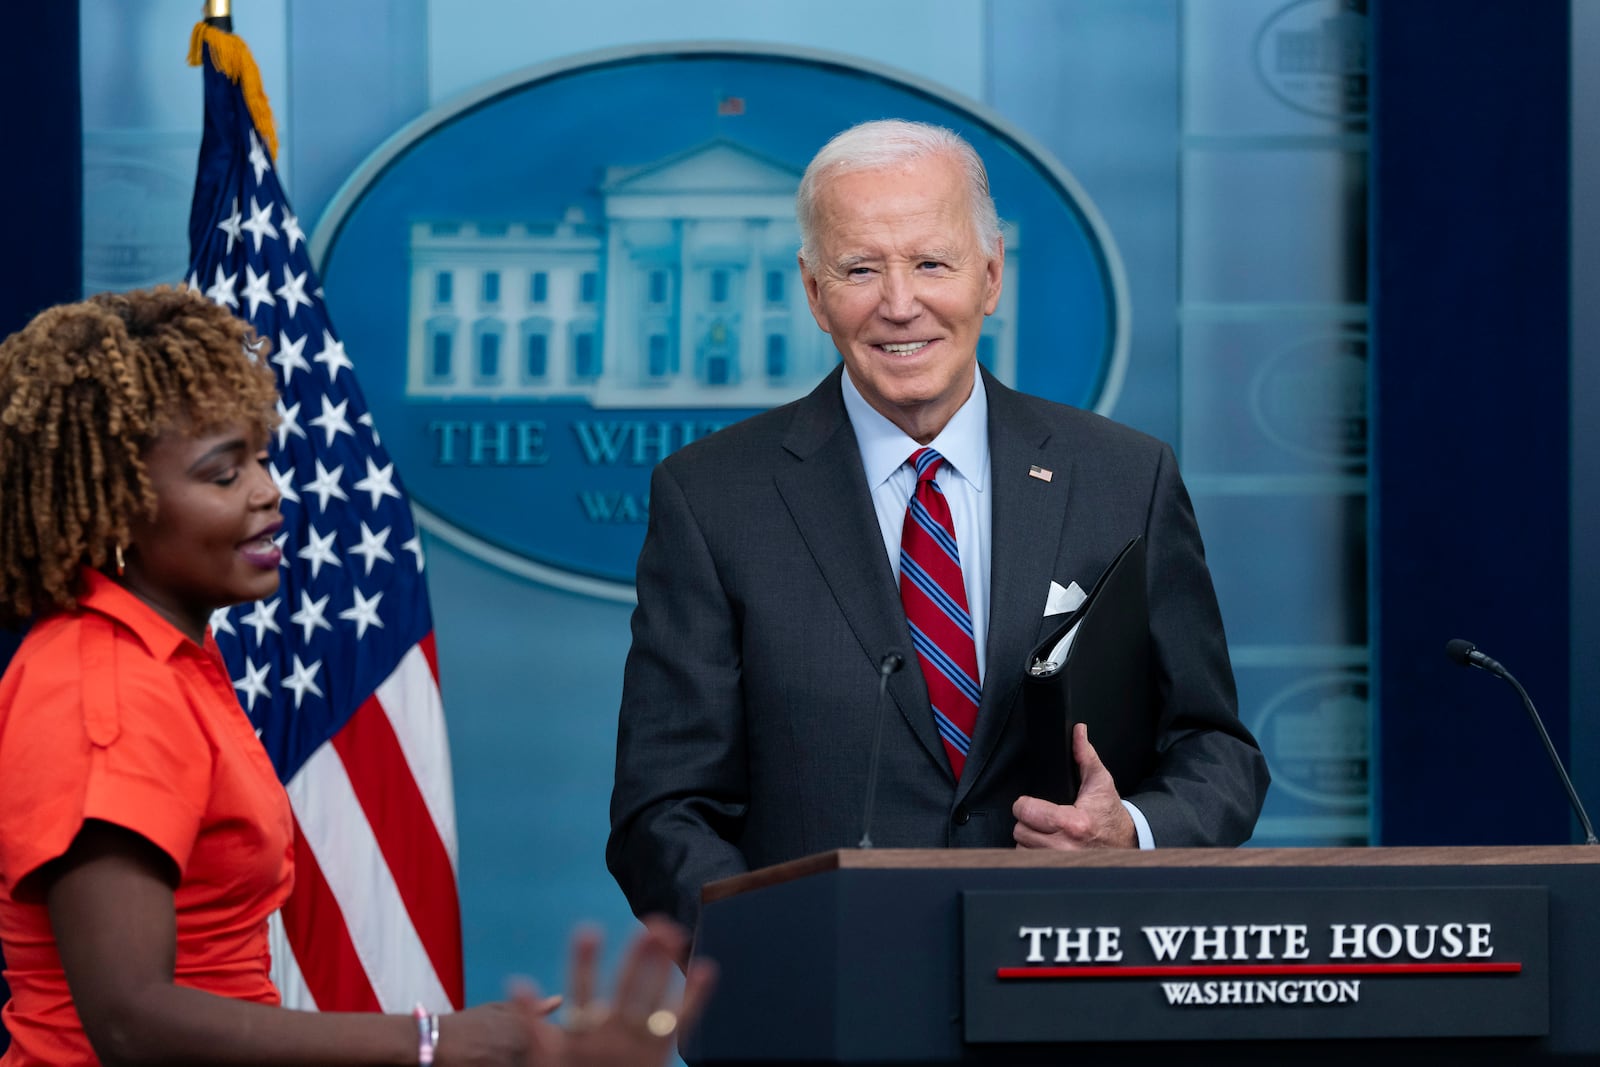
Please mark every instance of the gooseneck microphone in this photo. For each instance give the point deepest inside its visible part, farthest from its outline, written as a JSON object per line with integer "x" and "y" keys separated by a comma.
{"x": 891, "y": 662}
{"x": 1464, "y": 653}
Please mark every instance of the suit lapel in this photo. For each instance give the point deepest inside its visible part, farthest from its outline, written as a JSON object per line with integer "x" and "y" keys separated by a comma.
{"x": 827, "y": 496}
{"x": 1027, "y": 518}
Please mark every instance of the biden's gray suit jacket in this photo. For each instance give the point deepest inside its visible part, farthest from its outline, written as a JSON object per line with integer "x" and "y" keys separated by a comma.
{"x": 766, "y": 602}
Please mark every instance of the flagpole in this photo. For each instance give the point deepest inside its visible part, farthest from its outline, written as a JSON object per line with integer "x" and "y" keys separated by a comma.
{"x": 219, "y": 14}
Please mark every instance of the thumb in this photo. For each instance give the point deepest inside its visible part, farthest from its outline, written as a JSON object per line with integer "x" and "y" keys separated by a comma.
{"x": 546, "y": 1041}
{"x": 1091, "y": 771}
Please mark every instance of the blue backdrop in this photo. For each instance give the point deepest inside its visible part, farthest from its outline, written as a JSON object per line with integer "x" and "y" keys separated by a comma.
{"x": 1259, "y": 199}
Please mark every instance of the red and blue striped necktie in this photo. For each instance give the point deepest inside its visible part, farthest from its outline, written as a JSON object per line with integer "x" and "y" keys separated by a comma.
{"x": 935, "y": 599}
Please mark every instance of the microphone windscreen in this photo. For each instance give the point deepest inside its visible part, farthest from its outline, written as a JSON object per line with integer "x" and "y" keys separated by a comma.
{"x": 1459, "y": 651}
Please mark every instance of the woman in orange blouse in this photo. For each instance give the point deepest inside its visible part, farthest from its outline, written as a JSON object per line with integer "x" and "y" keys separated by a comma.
{"x": 144, "y": 837}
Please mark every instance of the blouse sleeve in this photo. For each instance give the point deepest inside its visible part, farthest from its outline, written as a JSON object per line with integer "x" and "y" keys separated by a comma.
{"x": 94, "y": 727}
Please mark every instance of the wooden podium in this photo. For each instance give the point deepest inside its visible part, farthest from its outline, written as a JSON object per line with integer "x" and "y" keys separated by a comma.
{"x": 1438, "y": 955}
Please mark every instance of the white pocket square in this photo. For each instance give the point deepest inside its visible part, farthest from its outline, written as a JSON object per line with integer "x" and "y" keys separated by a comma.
{"x": 1062, "y": 600}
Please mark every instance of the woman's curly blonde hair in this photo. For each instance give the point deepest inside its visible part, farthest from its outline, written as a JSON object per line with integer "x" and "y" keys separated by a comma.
{"x": 84, "y": 390}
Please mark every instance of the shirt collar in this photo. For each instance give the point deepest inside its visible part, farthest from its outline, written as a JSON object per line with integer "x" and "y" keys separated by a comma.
{"x": 964, "y": 441}
{"x": 105, "y": 597}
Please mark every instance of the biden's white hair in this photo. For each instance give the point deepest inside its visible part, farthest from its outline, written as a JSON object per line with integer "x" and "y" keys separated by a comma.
{"x": 884, "y": 144}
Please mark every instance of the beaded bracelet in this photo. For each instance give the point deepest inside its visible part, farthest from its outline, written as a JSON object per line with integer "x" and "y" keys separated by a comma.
{"x": 427, "y": 1034}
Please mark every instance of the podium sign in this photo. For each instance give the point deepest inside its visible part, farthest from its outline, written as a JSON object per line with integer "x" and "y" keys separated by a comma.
{"x": 1174, "y": 965}
{"x": 1383, "y": 957}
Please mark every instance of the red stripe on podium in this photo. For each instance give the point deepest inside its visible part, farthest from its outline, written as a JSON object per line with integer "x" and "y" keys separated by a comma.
{"x": 1255, "y": 970}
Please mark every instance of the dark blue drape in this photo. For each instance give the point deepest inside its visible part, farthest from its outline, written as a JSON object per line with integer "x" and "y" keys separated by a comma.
{"x": 42, "y": 183}
{"x": 1470, "y": 224}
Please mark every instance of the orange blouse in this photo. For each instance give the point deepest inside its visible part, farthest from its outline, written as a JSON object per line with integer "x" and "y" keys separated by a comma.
{"x": 109, "y": 713}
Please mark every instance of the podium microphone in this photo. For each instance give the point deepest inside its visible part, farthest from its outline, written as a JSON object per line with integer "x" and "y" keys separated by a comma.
{"x": 1464, "y": 653}
{"x": 891, "y": 662}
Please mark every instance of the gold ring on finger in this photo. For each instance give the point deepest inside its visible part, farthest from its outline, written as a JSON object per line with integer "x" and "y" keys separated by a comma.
{"x": 661, "y": 1023}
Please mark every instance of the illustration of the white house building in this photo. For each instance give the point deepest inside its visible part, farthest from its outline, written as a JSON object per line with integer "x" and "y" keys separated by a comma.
{"x": 685, "y": 294}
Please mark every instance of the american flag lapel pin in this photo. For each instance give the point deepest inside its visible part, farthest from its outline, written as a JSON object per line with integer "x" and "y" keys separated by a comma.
{"x": 1044, "y": 474}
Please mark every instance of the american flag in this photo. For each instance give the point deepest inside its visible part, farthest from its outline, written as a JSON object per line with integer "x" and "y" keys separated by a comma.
{"x": 337, "y": 671}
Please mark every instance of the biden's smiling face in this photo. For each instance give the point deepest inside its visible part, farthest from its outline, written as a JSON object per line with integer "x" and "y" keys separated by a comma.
{"x": 902, "y": 284}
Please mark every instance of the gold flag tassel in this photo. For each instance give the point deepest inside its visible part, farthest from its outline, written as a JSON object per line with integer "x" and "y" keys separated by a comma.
{"x": 232, "y": 58}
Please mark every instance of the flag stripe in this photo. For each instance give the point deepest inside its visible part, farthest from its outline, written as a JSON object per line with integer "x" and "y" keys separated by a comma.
{"x": 410, "y": 697}
{"x": 338, "y": 834}
{"x": 401, "y": 825}
{"x": 430, "y": 652}
{"x": 285, "y": 969}
{"x": 381, "y": 931}
{"x": 315, "y": 927}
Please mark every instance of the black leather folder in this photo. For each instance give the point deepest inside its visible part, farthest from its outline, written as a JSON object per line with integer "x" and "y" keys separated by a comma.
{"x": 1102, "y": 680}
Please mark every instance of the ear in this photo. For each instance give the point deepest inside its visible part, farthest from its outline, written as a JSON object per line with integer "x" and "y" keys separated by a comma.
{"x": 994, "y": 274}
{"x": 814, "y": 295}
